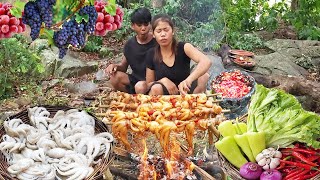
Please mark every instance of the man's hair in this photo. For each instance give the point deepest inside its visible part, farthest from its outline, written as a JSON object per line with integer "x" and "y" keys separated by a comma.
{"x": 141, "y": 16}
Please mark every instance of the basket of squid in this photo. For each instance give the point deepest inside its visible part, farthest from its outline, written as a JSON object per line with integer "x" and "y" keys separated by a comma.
{"x": 51, "y": 142}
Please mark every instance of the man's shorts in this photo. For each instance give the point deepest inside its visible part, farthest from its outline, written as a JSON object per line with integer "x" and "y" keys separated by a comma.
{"x": 132, "y": 82}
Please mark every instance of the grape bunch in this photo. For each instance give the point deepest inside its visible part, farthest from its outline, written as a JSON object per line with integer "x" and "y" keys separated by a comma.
{"x": 73, "y": 33}
{"x": 36, "y": 12}
{"x": 105, "y": 22}
{"x": 9, "y": 24}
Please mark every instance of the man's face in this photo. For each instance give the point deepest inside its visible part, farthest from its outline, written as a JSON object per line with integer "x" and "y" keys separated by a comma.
{"x": 141, "y": 29}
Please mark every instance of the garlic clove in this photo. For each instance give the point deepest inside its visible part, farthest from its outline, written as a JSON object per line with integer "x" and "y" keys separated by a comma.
{"x": 274, "y": 163}
{"x": 277, "y": 154}
{"x": 259, "y": 157}
{"x": 262, "y": 162}
{"x": 266, "y": 167}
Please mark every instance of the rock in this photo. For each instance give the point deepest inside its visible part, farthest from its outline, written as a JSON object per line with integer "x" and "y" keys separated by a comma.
{"x": 280, "y": 64}
{"x": 39, "y": 44}
{"x": 23, "y": 101}
{"x": 50, "y": 61}
{"x": 82, "y": 87}
{"x": 71, "y": 67}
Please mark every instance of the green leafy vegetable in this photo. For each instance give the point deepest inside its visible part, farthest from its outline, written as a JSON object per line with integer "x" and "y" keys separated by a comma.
{"x": 283, "y": 119}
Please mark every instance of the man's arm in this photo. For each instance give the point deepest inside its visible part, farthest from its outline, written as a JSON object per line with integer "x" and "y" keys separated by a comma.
{"x": 123, "y": 65}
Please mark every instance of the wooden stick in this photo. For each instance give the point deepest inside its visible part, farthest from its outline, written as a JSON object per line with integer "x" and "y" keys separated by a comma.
{"x": 214, "y": 130}
{"x": 226, "y": 110}
{"x": 203, "y": 173}
{"x": 214, "y": 95}
{"x": 104, "y": 106}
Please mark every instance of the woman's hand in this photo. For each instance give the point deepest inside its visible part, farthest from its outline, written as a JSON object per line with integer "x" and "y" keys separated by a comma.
{"x": 184, "y": 86}
{"x": 111, "y": 69}
{"x": 171, "y": 87}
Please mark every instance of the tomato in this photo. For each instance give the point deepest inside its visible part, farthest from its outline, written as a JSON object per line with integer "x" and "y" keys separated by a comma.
{"x": 150, "y": 112}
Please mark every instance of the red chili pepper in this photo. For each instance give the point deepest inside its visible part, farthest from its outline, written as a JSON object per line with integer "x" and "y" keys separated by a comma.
{"x": 302, "y": 158}
{"x": 307, "y": 151}
{"x": 292, "y": 173}
{"x": 296, "y": 176}
{"x": 150, "y": 112}
{"x": 313, "y": 158}
{"x": 309, "y": 175}
{"x": 305, "y": 166}
{"x": 282, "y": 165}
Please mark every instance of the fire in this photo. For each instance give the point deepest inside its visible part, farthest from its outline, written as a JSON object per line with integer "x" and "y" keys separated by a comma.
{"x": 171, "y": 166}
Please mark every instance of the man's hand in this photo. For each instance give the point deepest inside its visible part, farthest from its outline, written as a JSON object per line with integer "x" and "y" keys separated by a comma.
{"x": 171, "y": 87}
{"x": 184, "y": 87}
{"x": 111, "y": 69}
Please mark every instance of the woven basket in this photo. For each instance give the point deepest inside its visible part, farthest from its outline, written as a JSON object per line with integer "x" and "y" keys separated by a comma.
{"x": 99, "y": 168}
{"x": 231, "y": 170}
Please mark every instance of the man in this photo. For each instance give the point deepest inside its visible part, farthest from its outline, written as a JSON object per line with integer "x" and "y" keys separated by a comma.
{"x": 134, "y": 55}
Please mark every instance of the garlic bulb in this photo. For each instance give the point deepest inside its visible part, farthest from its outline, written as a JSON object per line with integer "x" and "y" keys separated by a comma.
{"x": 269, "y": 158}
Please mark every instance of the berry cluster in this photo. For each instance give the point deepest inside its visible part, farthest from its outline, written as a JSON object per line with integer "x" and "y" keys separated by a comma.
{"x": 106, "y": 22}
{"x": 36, "y": 12}
{"x": 73, "y": 33}
{"x": 9, "y": 24}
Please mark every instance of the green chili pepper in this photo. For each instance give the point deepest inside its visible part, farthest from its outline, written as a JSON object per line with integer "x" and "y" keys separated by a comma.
{"x": 242, "y": 126}
{"x": 243, "y": 142}
{"x": 257, "y": 140}
{"x": 231, "y": 151}
{"x": 226, "y": 128}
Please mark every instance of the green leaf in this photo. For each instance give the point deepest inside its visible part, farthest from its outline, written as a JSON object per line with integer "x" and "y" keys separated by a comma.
{"x": 91, "y": 2}
{"x": 19, "y": 4}
{"x": 111, "y": 7}
{"x": 79, "y": 18}
{"x": 49, "y": 34}
{"x": 16, "y": 12}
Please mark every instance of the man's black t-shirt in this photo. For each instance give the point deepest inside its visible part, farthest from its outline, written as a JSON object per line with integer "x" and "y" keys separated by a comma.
{"x": 177, "y": 73}
{"x": 135, "y": 54}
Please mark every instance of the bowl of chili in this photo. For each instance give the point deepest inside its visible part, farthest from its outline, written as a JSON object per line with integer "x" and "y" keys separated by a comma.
{"x": 236, "y": 88}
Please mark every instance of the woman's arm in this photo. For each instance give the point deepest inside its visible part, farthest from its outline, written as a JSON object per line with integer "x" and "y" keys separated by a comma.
{"x": 150, "y": 76}
{"x": 201, "y": 59}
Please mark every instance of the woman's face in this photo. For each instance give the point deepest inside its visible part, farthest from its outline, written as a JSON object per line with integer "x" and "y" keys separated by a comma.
{"x": 163, "y": 33}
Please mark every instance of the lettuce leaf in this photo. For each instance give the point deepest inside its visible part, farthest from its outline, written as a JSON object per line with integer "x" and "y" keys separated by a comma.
{"x": 283, "y": 119}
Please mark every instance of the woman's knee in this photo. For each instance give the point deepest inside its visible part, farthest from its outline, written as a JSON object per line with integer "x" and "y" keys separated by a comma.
{"x": 141, "y": 87}
{"x": 156, "y": 89}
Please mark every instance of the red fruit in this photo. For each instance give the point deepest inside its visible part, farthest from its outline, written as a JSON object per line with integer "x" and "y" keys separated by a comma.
{"x": 98, "y": 8}
{"x": 108, "y": 18}
{"x": 102, "y": 32}
{"x": 98, "y": 3}
{"x": 9, "y": 14}
{"x": 119, "y": 11}
{"x": 20, "y": 29}
{"x": 100, "y": 17}
{"x": 118, "y": 24}
{"x": 14, "y": 21}
{"x": 14, "y": 29}
{"x": 99, "y": 26}
{"x": 0, "y": 4}
{"x": 116, "y": 17}
{"x": 108, "y": 26}
{"x": 23, "y": 26}
{"x": 5, "y": 28}
{"x": 7, "y": 6}
{"x": 114, "y": 26}
{"x": 4, "y": 19}
{"x": 2, "y": 11}
{"x": 7, "y": 35}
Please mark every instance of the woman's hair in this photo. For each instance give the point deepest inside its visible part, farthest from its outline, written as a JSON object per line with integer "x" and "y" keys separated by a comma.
{"x": 163, "y": 18}
{"x": 141, "y": 16}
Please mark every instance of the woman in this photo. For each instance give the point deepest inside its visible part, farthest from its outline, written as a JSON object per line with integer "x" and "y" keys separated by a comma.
{"x": 168, "y": 64}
